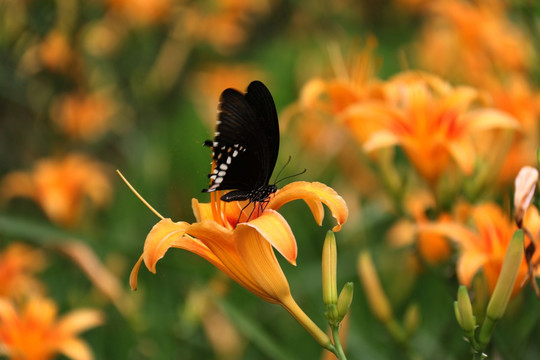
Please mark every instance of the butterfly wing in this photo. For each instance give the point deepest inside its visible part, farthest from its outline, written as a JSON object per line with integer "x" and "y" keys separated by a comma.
{"x": 262, "y": 104}
{"x": 246, "y": 143}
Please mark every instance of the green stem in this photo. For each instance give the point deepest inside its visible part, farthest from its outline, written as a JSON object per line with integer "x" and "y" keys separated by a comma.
{"x": 337, "y": 343}
{"x": 320, "y": 336}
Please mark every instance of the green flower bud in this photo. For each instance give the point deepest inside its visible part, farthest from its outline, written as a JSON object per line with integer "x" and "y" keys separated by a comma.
{"x": 463, "y": 309}
{"x": 329, "y": 265}
{"x": 505, "y": 283}
{"x": 344, "y": 300}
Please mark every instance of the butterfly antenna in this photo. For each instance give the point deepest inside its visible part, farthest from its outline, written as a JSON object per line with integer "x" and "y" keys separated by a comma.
{"x": 282, "y": 168}
{"x": 290, "y": 176}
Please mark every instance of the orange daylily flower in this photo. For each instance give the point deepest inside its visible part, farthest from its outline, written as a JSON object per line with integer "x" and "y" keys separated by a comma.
{"x": 485, "y": 247}
{"x": 432, "y": 247}
{"x": 84, "y": 116}
{"x": 475, "y": 37}
{"x": 33, "y": 332}
{"x": 432, "y": 121}
{"x": 142, "y": 12}
{"x": 55, "y": 51}
{"x": 61, "y": 186}
{"x": 18, "y": 263}
{"x": 321, "y": 101}
{"x": 244, "y": 250}
{"x": 517, "y": 97}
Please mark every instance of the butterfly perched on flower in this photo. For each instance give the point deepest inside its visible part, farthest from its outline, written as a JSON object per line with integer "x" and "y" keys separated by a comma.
{"x": 246, "y": 145}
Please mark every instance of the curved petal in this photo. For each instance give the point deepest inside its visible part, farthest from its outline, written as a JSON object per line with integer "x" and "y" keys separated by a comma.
{"x": 260, "y": 261}
{"x": 8, "y": 314}
{"x": 275, "y": 229}
{"x": 468, "y": 265}
{"x": 160, "y": 239}
{"x": 455, "y": 232}
{"x": 76, "y": 349}
{"x": 463, "y": 153}
{"x": 201, "y": 211}
{"x": 486, "y": 119}
{"x": 381, "y": 139}
{"x": 367, "y": 118}
{"x": 135, "y": 274}
{"x": 313, "y": 193}
{"x": 220, "y": 242}
{"x": 80, "y": 320}
{"x": 459, "y": 100}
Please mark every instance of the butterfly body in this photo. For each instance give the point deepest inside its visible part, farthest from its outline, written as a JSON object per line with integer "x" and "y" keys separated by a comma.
{"x": 246, "y": 145}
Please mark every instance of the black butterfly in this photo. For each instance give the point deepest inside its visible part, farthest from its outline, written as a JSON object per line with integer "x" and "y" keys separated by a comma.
{"x": 246, "y": 145}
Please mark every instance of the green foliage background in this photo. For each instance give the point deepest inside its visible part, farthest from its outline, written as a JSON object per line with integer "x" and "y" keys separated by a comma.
{"x": 162, "y": 155}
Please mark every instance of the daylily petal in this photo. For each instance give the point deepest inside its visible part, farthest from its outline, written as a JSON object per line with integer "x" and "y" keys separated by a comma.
{"x": 463, "y": 154}
{"x": 460, "y": 99}
{"x": 166, "y": 234}
{"x": 455, "y": 232}
{"x": 275, "y": 229}
{"x": 260, "y": 261}
{"x": 76, "y": 349}
{"x": 8, "y": 315}
{"x": 201, "y": 211}
{"x": 79, "y": 320}
{"x": 220, "y": 242}
{"x": 135, "y": 273}
{"x": 160, "y": 239}
{"x": 381, "y": 139}
{"x": 365, "y": 119}
{"x": 313, "y": 192}
{"x": 468, "y": 265}
{"x": 490, "y": 119}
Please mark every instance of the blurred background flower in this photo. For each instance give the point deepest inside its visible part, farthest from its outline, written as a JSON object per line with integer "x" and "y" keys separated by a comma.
{"x": 419, "y": 113}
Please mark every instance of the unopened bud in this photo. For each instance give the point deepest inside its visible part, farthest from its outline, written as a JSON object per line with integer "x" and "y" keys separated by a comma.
{"x": 412, "y": 319}
{"x": 464, "y": 312}
{"x": 345, "y": 300}
{"x": 377, "y": 299}
{"x": 507, "y": 278}
{"x": 329, "y": 265}
{"x": 525, "y": 185}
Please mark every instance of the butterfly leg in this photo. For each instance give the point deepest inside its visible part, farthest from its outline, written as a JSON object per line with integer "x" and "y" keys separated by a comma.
{"x": 242, "y": 211}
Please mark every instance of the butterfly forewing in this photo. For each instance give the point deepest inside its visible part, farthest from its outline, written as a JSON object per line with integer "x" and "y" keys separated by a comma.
{"x": 246, "y": 144}
{"x": 263, "y": 106}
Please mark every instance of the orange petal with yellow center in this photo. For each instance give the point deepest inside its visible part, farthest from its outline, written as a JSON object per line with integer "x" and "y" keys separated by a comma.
{"x": 313, "y": 194}
{"x": 220, "y": 242}
{"x": 160, "y": 239}
{"x": 275, "y": 229}
{"x": 260, "y": 261}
